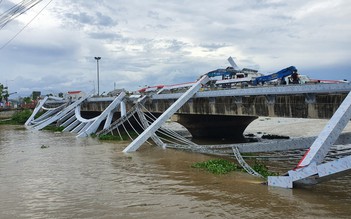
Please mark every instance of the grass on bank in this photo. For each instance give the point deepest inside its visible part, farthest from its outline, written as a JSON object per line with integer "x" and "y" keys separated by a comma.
{"x": 19, "y": 118}
{"x": 54, "y": 128}
{"x": 222, "y": 166}
{"x": 216, "y": 166}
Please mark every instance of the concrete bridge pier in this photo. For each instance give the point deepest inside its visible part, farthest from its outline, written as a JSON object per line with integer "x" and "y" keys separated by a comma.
{"x": 214, "y": 126}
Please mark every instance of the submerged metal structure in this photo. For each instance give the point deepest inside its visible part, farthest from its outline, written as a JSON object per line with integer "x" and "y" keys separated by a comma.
{"x": 68, "y": 116}
{"x": 166, "y": 115}
{"x": 311, "y": 169}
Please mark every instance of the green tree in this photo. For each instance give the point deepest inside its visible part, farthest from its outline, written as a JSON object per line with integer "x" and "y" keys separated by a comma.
{"x": 1, "y": 88}
{"x": 27, "y": 100}
{"x": 4, "y": 94}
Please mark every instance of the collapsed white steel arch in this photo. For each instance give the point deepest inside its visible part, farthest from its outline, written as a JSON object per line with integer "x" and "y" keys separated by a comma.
{"x": 68, "y": 116}
{"x": 309, "y": 170}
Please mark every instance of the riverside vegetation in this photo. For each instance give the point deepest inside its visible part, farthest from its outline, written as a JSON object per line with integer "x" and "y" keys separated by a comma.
{"x": 21, "y": 116}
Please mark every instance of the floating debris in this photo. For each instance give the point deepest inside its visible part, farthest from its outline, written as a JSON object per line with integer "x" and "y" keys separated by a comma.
{"x": 44, "y": 146}
{"x": 275, "y": 137}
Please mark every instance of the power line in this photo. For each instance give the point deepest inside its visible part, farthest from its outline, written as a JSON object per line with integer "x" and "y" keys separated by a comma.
{"x": 16, "y": 11}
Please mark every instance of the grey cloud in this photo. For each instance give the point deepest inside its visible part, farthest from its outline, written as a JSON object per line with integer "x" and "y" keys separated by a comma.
{"x": 104, "y": 20}
{"x": 96, "y": 19}
{"x": 110, "y": 36}
{"x": 83, "y": 17}
{"x": 154, "y": 15}
{"x": 213, "y": 46}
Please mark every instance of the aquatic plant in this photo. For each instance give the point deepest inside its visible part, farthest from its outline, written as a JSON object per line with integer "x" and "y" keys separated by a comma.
{"x": 222, "y": 166}
{"x": 216, "y": 166}
{"x": 54, "y": 128}
{"x": 262, "y": 169}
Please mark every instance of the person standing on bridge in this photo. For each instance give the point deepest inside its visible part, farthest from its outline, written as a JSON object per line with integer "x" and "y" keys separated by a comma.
{"x": 295, "y": 78}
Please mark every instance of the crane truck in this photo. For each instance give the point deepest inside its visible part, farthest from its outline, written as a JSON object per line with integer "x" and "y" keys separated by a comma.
{"x": 232, "y": 75}
{"x": 278, "y": 75}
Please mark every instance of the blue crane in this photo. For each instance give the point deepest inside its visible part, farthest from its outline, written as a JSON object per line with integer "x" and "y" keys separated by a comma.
{"x": 278, "y": 75}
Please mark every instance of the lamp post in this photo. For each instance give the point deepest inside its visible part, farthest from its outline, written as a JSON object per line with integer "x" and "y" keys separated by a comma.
{"x": 97, "y": 69}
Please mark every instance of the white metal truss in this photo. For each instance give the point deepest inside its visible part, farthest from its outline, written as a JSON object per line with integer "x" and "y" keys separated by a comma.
{"x": 31, "y": 121}
{"x": 118, "y": 122}
{"x": 138, "y": 117}
{"x": 166, "y": 115}
{"x": 108, "y": 112}
{"x": 243, "y": 163}
{"x": 52, "y": 118}
{"x": 146, "y": 124}
{"x": 70, "y": 118}
{"x": 124, "y": 116}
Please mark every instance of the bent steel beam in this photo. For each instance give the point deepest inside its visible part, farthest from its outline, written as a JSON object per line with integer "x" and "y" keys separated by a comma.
{"x": 145, "y": 123}
{"x": 310, "y": 165}
{"x": 61, "y": 114}
{"x": 166, "y": 115}
{"x": 36, "y": 110}
{"x": 95, "y": 125}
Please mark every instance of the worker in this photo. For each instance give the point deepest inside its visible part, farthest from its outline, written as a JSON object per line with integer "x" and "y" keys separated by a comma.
{"x": 295, "y": 78}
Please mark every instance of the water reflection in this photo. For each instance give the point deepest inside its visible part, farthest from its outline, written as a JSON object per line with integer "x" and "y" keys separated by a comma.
{"x": 85, "y": 178}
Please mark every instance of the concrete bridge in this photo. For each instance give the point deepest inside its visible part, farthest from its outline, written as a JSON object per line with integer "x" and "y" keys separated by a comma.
{"x": 226, "y": 113}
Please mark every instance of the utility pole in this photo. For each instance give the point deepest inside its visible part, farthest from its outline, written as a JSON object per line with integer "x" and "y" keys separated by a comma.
{"x": 97, "y": 69}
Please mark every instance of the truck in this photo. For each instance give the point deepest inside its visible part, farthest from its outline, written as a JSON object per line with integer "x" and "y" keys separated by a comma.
{"x": 281, "y": 75}
{"x": 232, "y": 75}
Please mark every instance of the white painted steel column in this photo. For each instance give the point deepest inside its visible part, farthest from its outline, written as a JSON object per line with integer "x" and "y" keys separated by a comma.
{"x": 36, "y": 110}
{"x": 123, "y": 109}
{"x": 95, "y": 125}
{"x": 108, "y": 120}
{"x": 147, "y": 133}
{"x": 61, "y": 114}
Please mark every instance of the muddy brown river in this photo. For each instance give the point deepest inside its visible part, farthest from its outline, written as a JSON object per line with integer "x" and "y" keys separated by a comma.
{"x": 86, "y": 178}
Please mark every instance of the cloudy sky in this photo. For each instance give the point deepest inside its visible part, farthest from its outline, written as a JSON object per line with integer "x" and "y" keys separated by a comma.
{"x": 170, "y": 41}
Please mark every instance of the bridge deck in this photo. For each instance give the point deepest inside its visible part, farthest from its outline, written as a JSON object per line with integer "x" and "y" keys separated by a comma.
{"x": 269, "y": 90}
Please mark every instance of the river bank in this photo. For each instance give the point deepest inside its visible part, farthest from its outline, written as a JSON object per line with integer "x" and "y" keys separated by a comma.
{"x": 292, "y": 127}
{"x": 7, "y": 114}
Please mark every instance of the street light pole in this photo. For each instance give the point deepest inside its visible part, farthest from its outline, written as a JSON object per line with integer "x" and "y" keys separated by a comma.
{"x": 97, "y": 69}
